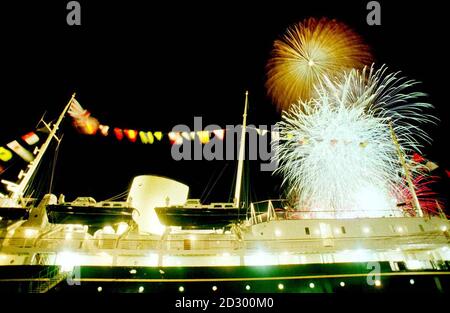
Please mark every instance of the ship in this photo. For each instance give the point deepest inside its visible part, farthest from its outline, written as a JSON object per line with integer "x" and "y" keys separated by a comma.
{"x": 160, "y": 241}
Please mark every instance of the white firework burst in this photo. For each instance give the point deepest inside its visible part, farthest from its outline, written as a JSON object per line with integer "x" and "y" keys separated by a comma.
{"x": 336, "y": 151}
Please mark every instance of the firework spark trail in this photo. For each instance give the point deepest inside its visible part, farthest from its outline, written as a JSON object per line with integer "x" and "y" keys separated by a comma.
{"x": 428, "y": 199}
{"x": 336, "y": 151}
{"x": 308, "y": 51}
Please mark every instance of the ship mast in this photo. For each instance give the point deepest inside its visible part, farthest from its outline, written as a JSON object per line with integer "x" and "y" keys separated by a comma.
{"x": 18, "y": 190}
{"x": 416, "y": 202}
{"x": 238, "y": 187}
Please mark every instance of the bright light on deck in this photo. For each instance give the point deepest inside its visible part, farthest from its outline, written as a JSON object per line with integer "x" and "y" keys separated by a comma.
{"x": 122, "y": 228}
{"x": 108, "y": 230}
{"x": 30, "y": 232}
{"x": 68, "y": 260}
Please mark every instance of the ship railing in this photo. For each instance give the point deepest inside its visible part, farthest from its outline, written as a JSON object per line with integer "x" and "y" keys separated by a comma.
{"x": 263, "y": 211}
{"x": 46, "y": 279}
{"x": 279, "y": 209}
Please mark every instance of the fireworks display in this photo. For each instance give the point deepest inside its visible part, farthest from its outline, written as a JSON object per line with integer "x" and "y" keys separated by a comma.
{"x": 336, "y": 151}
{"x": 428, "y": 199}
{"x": 308, "y": 51}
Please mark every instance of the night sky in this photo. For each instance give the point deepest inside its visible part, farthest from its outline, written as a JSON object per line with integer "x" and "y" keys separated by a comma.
{"x": 153, "y": 66}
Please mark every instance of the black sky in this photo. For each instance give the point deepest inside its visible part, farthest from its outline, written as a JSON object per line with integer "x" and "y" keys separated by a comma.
{"x": 156, "y": 65}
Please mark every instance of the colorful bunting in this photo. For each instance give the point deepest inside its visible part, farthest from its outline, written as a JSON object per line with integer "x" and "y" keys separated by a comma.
{"x": 143, "y": 137}
{"x": 104, "y": 130}
{"x": 175, "y": 138}
{"x": 31, "y": 138}
{"x": 186, "y": 135}
{"x": 5, "y": 154}
{"x": 418, "y": 158}
{"x": 82, "y": 119}
{"x": 203, "y": 135}
{"x": 119, "y": 133}
{"x": 20, "y": 151}
{"x": 431, "y": 166}
{"x": 158, "y": 135}
{"x": 219, "y": 133}
{"x": 131, "y": 134}
{"x": 150, "y": 137}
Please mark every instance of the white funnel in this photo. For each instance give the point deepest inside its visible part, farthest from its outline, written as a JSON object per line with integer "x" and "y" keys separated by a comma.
{"x": 148, "y": 192}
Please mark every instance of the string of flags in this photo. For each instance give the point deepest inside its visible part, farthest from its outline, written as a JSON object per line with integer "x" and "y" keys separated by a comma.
{"x": 19, "y": 147}
{"x": 86, "y": 124}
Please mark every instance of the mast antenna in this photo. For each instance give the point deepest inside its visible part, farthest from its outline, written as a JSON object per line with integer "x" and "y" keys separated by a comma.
{"x": 238, "y": 186}
{"x": 415, "y": 201}
{"x": 18, "y": 190}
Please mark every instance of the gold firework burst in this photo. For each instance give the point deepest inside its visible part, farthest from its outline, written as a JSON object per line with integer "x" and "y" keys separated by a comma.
{"x": 308, "y": 51}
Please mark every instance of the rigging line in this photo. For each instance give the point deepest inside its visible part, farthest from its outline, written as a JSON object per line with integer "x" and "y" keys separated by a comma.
{"x": 120, "y": 195}
{"x": 233, "y": 184}
{"x": 217, "y": 179}
{"x": 55, "y": 157}
{"x": 8, "y": 167}
{"x": 208, "y": 184}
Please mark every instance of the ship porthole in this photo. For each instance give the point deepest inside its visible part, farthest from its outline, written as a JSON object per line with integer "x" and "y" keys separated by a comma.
{"x": 411, "y": 281}
{"x": 247, "y": 287}
{"x": 181, "y": 289}
{"x": 99, "y": 288}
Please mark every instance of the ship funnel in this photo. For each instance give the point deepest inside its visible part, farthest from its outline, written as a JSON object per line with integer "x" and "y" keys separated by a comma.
{"x": 148, "y": 192}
